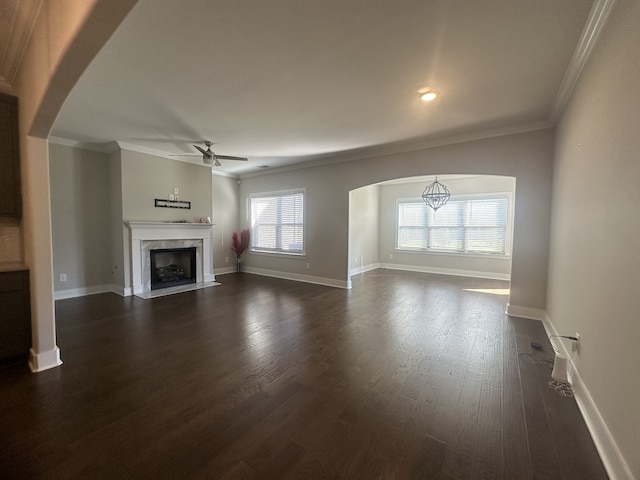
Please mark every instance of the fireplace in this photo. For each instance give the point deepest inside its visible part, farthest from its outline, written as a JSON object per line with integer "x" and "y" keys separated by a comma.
{"x": 171, "y": 267}
{"x": 147, "y": 236}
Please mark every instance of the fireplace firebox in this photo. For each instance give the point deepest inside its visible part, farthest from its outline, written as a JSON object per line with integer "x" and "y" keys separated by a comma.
{"x": 171, "y": 267}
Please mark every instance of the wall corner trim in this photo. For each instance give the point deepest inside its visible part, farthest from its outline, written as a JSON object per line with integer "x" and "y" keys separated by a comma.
{"x": 525, "y": 312}
{"x": 39, "y": 362}
{"x": 612, "y": 459}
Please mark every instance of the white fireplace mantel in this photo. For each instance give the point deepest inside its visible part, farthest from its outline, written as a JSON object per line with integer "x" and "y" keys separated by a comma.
{"x": 143, "y": 233}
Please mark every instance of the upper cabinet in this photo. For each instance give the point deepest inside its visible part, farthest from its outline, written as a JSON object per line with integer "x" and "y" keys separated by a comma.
{"x": 10, "y": 191}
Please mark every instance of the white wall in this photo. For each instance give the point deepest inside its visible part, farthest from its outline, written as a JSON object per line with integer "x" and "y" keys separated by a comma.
{"x": 364, "y": 219}
{"x": 528, "y": 157}
{"x": 474, "y": 265}
{"x": 594, "y": 269}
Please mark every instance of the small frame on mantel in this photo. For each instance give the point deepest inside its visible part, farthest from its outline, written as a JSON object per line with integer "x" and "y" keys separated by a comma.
{"x": 172, "y": 203}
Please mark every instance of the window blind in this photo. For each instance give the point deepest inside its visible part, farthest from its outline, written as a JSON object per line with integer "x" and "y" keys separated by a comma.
{"x": 472, "y": 225}
{"x": 277, "y": 222}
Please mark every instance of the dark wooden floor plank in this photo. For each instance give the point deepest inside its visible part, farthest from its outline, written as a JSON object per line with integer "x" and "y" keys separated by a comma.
{"x": 516, "y": 456}
{"x": 406, "y": 376}
{"x": 544, "y": 456}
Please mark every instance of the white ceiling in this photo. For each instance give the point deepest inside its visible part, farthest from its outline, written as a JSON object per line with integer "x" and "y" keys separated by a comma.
{"x": 287, "y": 81}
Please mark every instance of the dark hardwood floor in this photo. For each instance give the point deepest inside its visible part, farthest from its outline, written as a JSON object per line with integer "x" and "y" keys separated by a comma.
{"x": 406, "y": 376}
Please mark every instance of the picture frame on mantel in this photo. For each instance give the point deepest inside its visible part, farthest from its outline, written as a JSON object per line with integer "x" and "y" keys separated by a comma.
{"x": 159, "y": 202}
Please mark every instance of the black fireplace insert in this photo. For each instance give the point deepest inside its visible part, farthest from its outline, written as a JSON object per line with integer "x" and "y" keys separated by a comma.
{"x": 171, "y": 267}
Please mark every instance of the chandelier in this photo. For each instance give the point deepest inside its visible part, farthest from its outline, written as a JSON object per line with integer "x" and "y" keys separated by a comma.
{"x": 436, "y": 195}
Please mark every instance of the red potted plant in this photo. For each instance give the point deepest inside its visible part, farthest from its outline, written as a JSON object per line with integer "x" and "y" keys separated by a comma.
{"x": 239, "y": 245}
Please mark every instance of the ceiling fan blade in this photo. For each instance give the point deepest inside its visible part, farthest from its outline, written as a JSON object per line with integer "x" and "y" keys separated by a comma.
{"x": 203, "y": 151}
{"x": 227, "y": 157}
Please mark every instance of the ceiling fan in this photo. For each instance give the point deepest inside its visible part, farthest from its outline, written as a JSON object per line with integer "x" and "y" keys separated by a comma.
{"x": 210, "y": 158}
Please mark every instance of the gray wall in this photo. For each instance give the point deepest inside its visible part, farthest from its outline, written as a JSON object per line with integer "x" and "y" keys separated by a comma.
{"x": 477, "y": 265}
{"x": 80, "y": 216}
{"x": 528, "y": 157}
{"x": 147, "y": 177}
{"x": 594, "y": 268}
{"x": 225, "y": 218}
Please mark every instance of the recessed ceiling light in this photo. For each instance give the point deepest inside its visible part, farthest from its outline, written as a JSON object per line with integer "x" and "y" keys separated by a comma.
{"x": 427, "y": 94}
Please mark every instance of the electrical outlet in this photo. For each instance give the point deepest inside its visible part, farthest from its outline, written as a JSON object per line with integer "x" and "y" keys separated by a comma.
{"x": 391, "y": 256}
{"x": 63, "y": 277}
{"x": 308, "y": 265}
{"x": 175, "y": 191}
{"x": 226, "y": 259}
{"x": 575, "y": 344}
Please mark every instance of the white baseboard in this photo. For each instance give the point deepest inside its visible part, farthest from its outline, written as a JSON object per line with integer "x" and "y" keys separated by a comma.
{"x": 120, "y": 290}
{"x": 446, "y": 271}
{"x": 84, "y": 291}
{"x": 224, "y": 270}
{"x": 526, "y": 312}
{"x": 366, "y": 268}
{"x": 39, "y": 362}
{"x": 612, "y": 459}
{"x": 329, "y": 282}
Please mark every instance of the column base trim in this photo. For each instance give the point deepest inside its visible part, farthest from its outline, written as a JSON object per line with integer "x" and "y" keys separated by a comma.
{"x": 39, "y": 362}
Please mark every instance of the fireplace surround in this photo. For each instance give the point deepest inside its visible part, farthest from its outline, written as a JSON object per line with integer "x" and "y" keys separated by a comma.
{"x": 147, "y": 236}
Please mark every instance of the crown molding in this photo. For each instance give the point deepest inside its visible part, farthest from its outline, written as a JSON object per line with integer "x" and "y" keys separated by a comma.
{"x": 149, "y": 151}
{"x": 94, "y": 147}
{"x": 111, "y": 147}
{"x": 159, "y": 153}
{"x": 406, "y": 147}
{"x": 597, "y": 18}
{"x": 329, "y": 159}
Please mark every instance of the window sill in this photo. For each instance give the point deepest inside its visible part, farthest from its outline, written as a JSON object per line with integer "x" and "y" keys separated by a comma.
{"x": 454, "y": 254}
{"x": 298, "y": 256}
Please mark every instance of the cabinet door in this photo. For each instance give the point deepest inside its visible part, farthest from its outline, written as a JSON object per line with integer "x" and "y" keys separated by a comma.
{"x": 10, "y": 190}
{"x": 15, "y": 319}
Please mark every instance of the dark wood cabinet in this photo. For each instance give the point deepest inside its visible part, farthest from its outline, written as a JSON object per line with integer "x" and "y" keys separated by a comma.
{"x": 15, "y": 316}
{"x": 10, "y": 189}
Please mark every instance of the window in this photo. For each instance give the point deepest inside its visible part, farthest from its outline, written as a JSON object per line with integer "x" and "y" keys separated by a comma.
{"x": 277, "y": 222}
{"x": 473, "y": 225}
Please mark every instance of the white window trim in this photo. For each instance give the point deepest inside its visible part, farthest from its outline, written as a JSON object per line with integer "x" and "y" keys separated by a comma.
{"x": 280, "y": 253}
{"x": 469, "y": 196}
